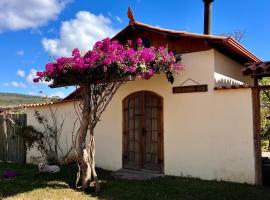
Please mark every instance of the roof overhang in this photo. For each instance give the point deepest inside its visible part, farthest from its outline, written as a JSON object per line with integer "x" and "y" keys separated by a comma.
{"x": 225, "y": 45}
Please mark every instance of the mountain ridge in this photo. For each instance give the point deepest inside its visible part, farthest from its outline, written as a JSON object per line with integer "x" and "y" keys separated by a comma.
{"x": 8, "y": 99}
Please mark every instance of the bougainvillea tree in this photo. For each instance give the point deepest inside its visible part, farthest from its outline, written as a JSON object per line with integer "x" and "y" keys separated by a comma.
{"x": 99, "y": 73}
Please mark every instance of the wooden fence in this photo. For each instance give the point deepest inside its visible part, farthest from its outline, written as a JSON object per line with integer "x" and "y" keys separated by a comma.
{"x": 12, "y": 146}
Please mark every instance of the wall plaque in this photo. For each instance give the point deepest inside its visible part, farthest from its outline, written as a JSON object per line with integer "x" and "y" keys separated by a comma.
{"x": 190, "y": 89}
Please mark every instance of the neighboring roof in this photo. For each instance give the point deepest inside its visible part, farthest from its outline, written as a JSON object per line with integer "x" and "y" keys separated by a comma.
{"x": 44, "y": 104}
{"x": 257, "y": 69}
{"x": 225, "y": 45}
{"x": 74, "y": 95}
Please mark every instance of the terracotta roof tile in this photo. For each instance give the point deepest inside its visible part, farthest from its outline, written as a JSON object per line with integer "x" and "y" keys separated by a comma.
{"x": 43, "y": 104}
{"x": 256, "y": 68}
{"x": 232, "y": 87}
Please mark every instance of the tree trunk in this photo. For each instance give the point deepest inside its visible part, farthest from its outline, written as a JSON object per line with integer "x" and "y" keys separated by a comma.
{"x": 86, "y": 153}
{"x": 81, "y": 142}
{"x": 92, "y": 151}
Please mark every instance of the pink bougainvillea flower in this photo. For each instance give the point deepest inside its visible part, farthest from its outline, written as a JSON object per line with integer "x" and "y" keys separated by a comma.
{"x": 76, "y": 53}
{"x": 139, "y": 41}
{"x": 115, "y": 60}
{"x": 50, "y": 69}
{"x": 147, "y": 54}
{"x": 150, "y": 72}
{"x": 132, "y": 69}
{"x": 40, "y": 74}
{"x": 36, "y": 80}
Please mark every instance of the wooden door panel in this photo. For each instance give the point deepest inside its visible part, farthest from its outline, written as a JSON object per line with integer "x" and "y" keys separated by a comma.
{"x": 133, "y": 132}
{"x": 151, "y": 154}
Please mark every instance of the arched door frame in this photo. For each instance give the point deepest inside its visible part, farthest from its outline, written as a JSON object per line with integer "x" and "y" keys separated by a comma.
{"x": 160, "y": 136}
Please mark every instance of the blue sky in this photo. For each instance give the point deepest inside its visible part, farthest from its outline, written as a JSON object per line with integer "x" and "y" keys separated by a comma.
{"x": 33, "y": 32}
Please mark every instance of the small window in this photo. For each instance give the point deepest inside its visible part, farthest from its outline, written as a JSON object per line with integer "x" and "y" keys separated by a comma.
{"x": 146, "y": 42}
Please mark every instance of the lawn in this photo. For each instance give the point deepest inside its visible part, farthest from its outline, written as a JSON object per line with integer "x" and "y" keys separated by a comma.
{"x": 32, "y": 185}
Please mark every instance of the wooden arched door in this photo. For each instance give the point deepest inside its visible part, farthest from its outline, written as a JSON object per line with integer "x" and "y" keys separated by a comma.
{"x": 143, "y": 132}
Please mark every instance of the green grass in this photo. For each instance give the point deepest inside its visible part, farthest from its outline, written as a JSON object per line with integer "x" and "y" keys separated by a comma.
{"x": 32, "y": 185}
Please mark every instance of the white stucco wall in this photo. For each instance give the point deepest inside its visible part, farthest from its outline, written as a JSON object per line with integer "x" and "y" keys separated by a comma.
{"x": 63, "y": 111}
{"x": 206, "y": 135}
{"x": 228, "y": 72}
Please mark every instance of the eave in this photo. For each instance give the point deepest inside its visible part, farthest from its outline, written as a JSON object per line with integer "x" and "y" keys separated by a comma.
{"x": 226, "y": 45}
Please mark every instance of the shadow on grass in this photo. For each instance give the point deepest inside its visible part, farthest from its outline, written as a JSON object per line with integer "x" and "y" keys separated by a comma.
{"x": 156, "y": 189}
{"x": 29, "y": 179}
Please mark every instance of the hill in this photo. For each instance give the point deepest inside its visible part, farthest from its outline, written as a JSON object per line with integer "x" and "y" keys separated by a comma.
{"x": 7, "y": 99}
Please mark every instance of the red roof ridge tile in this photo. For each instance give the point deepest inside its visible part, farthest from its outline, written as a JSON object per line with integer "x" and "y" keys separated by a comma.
{"x": 182, "y": 32}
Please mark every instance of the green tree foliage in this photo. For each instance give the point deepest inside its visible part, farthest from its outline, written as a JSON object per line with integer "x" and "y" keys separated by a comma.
{"x": 265, "y": 114}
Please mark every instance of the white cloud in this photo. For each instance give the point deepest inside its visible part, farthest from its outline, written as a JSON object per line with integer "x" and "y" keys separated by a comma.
{"x": 20, "y": 53}
{"x": 81, "y": 32}
{"x": 58, "y": 94}
{"x": 119, "y": 19}
{"x": 32, "y": 74}
{"x": 15, "y": 84}
{"x": 23, "y": 14}
{"x": 21, "y": 73}
{"x": 28, "y": 80}
{"x": 18, "y": 84}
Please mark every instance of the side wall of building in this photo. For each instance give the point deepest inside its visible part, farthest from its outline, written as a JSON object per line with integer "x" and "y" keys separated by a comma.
{"x": 208, "y": 135}
{"x": 228, "y": 72}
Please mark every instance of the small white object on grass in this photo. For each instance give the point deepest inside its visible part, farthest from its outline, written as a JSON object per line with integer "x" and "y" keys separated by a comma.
{"x": 48, "y": 168}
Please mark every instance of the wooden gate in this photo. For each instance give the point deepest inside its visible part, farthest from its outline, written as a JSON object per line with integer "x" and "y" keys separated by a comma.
{"x": 12, "y": 146}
